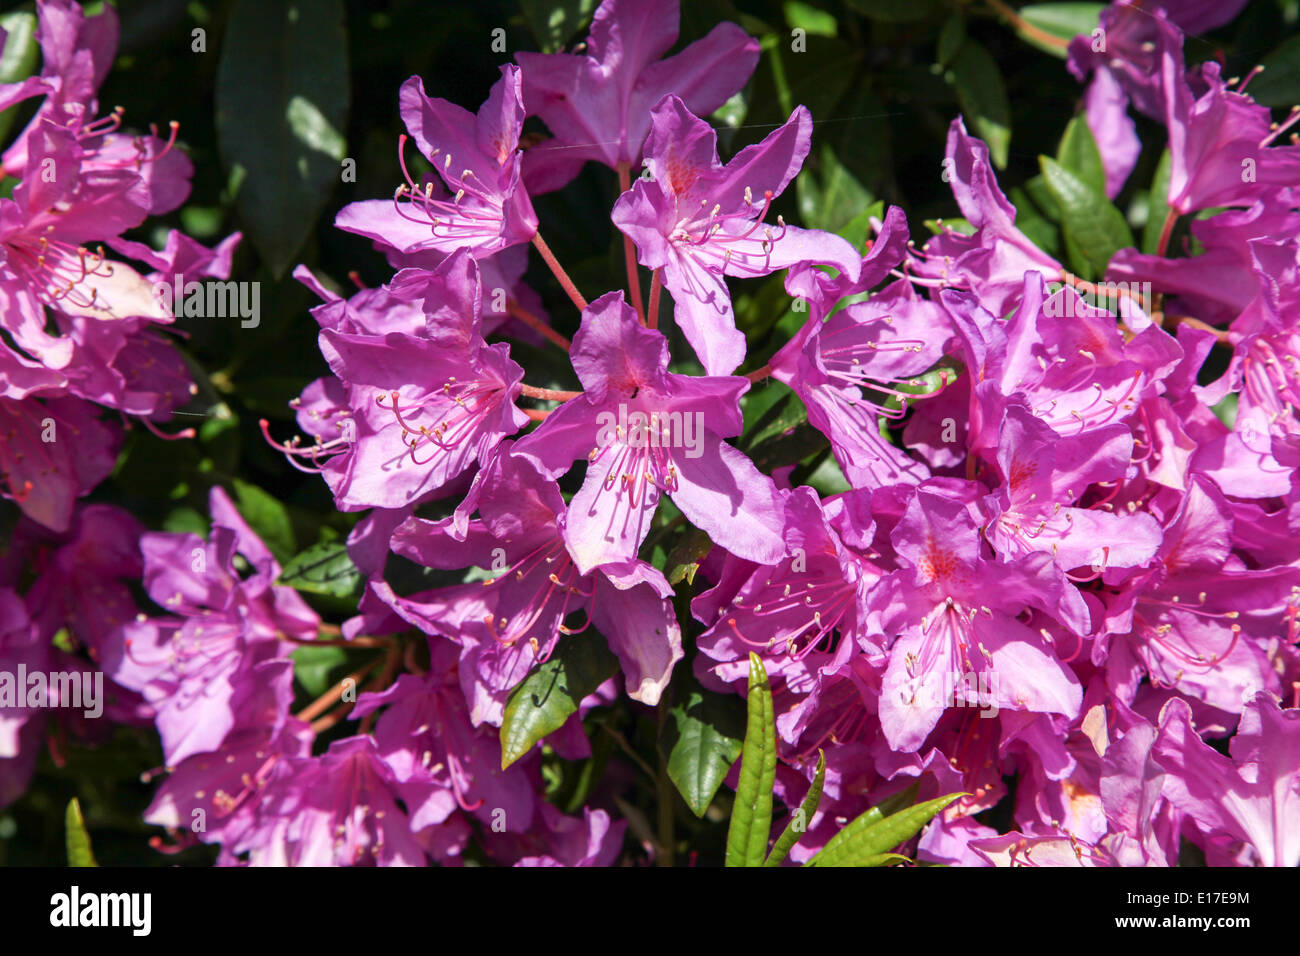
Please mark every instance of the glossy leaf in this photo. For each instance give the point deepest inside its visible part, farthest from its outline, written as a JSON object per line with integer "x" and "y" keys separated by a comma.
{"x": 803, "y": 816}
{"x": 974, "y": 74}
{"x": 751, "y": 814}
{"x": 1079, "y": 154}
{"x": 1094, "y": 229}
{"x": 19, "y": 58}
{"x": 282, "y": 103}
{"x": 324, "y": 568}
{"x": 1157, "y": 205}
{"x": 552, "y": 691}
{"x": 703, "y": 737}
{"x": 868, "y": 840}
{"x": 266, "y": 516}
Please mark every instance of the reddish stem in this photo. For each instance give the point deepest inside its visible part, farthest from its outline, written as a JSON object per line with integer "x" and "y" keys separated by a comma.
{"x": 537, "y": 325}
{"x": 546, "y": 394}
{"x": 656, "y": 286}
{"x": 563, "y": 277}
{"x": 629, "y": 248}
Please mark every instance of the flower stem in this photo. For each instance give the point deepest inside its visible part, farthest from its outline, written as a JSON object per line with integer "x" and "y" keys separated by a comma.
{"x": 537, "y": 325}
{"x": 759, "y": 373}
{"x": 1171, "y": 218}
{"x": 323, "y": 702}
{"x": 629, "y": 248}
{"x": 546, "y": 394}
{"x": 565, "y": 282}
{"x": 1024, "y": 26}
{"x": 656, "y": 286}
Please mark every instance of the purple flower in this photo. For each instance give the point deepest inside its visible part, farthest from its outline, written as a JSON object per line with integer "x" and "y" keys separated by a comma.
{"x": 645, "y": 432}
{"x": 424, "y": 408}
{"x": 515, "y": 618}
{"x": 339, "y": 809}
{"x": 952, "y": 621}
{"x": 597, "y": 104}
{"x": 478, "y": 159}
{"x": 1253, "y": 796}
{"x": 700, "y": 221}
{"x": 224, "y": 645}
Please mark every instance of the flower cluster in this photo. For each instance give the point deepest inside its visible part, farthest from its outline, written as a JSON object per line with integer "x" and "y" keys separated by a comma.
{"x": 81, "y": 334}
{"x": 1059, "y": 577}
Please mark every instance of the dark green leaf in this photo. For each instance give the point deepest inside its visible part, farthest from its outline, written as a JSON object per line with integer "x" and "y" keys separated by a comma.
{"x": 832, "y": 196}
{"x": 751, "y": 813}
{"x": 702, "y": 737}
{"x": 895, "y": 10}
{"x": 324, "y": 568}
{"x": 268, "y": 518}
{"x": 685, "y": 557}
{"x": 1279, "y": 84}
{"x": 551, "y": 693}
{"x": 555, "y": 22}
{"x": 282, "y": 102}
{"x": 974, "y": 74}
{"x": 1094, "y": 229}
{"x": 802, "y": 817}
{"x": 78, "y": 840}
{"x": 868, "y": 839}
{"x": 1079, "y": 154}
{"x": 802, "y": 16}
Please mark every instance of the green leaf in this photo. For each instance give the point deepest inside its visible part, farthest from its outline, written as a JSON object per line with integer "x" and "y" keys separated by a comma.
{"x": 951, "y": 37}
{"x": 78, "y": 840}
{"x": 281, "y": 103}
{"x": 832, "y": 196}
{"x": 685, "y": 557}
{"x": 702, "y": 738}
{"x": 324, "y": 568}
{"x": 801, "y": 16}
{"x": 1041, "y": 231}
{"x": 312, "y": 664}
{"x": 868, "y": 839}
{"x": 974, "y": 74}
{"x": 1279, "y": 84}
{"x": 1157, "y": 205}
{"x": 751, "y": 814}
{"x": 1064, "y": 21}
{"x": 552, "y": 691}
{"x": 555, "y": 22}
{"x": 267, "y": 517}
{"x": 19, "y": 58}
{"x": 803, "y": 816}
{"x": 897, "y": 11}
{"x": 1094, "y": 229}
{"x": 1079, "y": 154}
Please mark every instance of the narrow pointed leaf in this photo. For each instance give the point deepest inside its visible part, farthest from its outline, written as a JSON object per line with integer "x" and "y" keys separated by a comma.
{"x": 867, "y": 838}
{"x": 790, "y": 836}
{"x": 751, "y": 814}
{"x": 78, "y": 840}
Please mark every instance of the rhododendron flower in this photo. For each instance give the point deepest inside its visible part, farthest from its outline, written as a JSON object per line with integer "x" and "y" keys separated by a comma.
{"x": 478, "y": 159}
{"x": 597, "y": 104}
{"x": 645, "y": 432}
{"x": 700, "y": 221}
